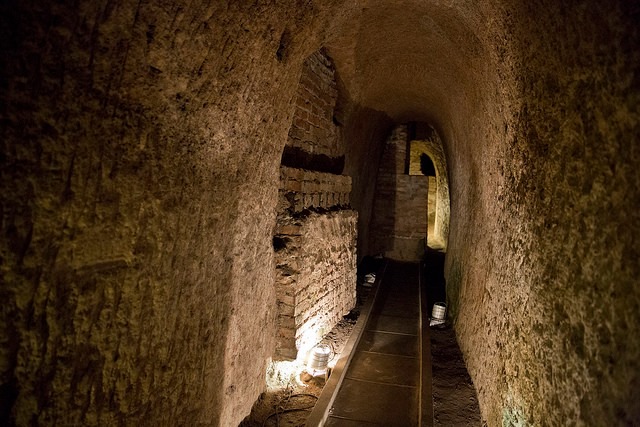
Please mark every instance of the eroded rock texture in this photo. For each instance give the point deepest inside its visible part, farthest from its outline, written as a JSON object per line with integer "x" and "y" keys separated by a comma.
{"x": 141, "y": 145}
{"x": 543, "y": 266}
{"x": 140, "y": 151}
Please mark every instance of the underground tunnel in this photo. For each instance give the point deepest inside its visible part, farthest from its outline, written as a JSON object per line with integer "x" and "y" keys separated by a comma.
{"x": 188, "y": 188}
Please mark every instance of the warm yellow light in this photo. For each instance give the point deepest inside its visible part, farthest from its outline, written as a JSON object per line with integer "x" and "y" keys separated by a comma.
{"x": 319, "y": 359}
{"x": 282, "y": 374}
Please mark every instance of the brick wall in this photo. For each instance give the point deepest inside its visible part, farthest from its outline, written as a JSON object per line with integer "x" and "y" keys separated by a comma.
{"x": 400, "y": 208}
{"x": 315, "y": 236}
{"x": 313, "y": 129}
{"x": 315, "y": 242}
{"x": 303, "y": 189}
{"x": 315, "y": 278}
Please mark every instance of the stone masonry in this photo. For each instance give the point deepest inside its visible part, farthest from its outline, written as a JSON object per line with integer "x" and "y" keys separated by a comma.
{"x": 313, "y": 129}
{"x": 315, "y": 279}
{"x": 303, "y": 189}
{"x": 400, "y": 208}
{"x": 315, "y": 234}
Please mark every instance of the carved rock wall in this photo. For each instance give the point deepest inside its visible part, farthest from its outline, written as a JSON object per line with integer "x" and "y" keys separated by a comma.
{"x": 140, "y": 149}
{"x": 542, "y": 259}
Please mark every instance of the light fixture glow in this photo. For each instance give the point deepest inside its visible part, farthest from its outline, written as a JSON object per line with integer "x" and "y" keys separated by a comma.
{"x": 319, "y": 359}
{"x": 438, "y": 314}
{"x": 283, "y": 373}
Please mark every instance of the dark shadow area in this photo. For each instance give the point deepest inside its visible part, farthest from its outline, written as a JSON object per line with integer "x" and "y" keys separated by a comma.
{"x": 426, "y": 165}
{"x": 433, "y": 272}
{"x": 419, "y": 130}
{"x": 367, "y": 265}
{"x": 295, "y": 157}
{"x": 455, "y": 401}
{"x": 384, "y": 203}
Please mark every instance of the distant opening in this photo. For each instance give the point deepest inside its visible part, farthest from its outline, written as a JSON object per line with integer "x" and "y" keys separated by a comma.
{"x": 426, "y": 165}
{"x": 425, "y": 156}
{"x": 419, "y": 159}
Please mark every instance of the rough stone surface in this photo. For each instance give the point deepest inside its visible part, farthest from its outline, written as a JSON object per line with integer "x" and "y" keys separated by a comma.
{"x": 543, "y": 256}
{"x": 141, "y": 143}
{"x": 537, "y": 105}
{"x": 140, "y": 150}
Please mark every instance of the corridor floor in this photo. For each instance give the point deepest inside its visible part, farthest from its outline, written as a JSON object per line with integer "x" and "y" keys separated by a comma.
{"x": 388, "y": 379}
{"x": 382, "y": 385}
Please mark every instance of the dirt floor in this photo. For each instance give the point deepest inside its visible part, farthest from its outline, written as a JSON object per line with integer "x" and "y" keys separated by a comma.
{"x": 290, "y": 398}
{"x": 455, "y": 402}
{"x": 290, "y": 404}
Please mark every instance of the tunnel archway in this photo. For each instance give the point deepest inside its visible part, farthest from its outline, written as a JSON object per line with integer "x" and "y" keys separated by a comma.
{"x": 426, "y": 165}
{"x": 141, "y": 145}
{"x": 426, "y": 153}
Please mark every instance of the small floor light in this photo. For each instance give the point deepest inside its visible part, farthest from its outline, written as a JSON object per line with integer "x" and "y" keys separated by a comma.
{"x": 319, "y": 359}
{"x": 438, "y": 314}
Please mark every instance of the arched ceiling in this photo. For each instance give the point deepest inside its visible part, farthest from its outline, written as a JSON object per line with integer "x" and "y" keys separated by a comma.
{"x": 412, "y": 59}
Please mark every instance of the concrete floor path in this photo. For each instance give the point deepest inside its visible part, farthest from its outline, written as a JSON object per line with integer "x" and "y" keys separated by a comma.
{"x": 387, "y": 380}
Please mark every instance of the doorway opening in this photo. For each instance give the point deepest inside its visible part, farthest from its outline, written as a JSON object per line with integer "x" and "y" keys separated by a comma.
{"x": 426, "y": 157}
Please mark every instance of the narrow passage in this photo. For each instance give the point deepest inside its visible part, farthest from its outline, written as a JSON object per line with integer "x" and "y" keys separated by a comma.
{"x": 382, "y": 383}
{"x": 386, "y": 378}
